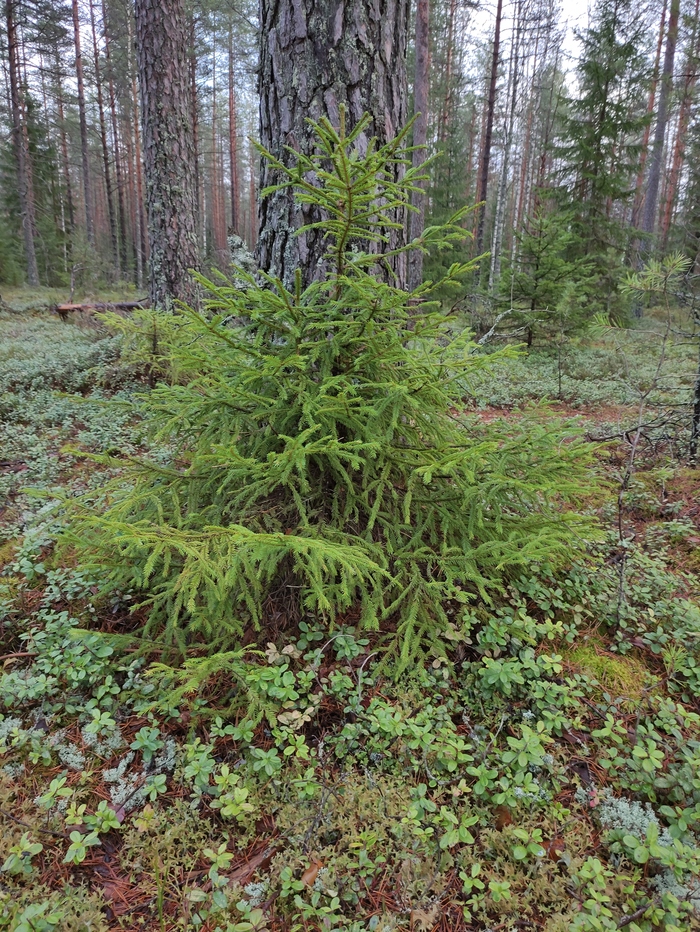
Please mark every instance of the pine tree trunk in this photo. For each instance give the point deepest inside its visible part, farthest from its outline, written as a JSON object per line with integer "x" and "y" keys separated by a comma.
{"x": 198, "y": 191}
{"x": 166, "y": 106}
{"x": 421, "y": 88}
{"x": 313, "y": 58}
{"x": 691, "y": 76}
{"x": 64, "y": 146}
{"x": 488, "y": 133}
{"x": 26, "y": 200}
{"x": 115, "y": 142}
{"x": 652, "y": 192}
{"x": 141, "y": 225}
{"x": 232, "y": 137}
{"x": 499, "y": 220}
{"x": 639, "y": 187}
{"x": 84, "y": 146}
{"x": 105, "y": 149}
{"x": 253, "y": 213}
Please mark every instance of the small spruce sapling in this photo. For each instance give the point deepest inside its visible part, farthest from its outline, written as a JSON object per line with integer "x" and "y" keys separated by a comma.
{"x": 320, "y": 462}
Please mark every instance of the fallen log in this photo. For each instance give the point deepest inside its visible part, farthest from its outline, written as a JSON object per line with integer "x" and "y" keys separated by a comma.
{"x": 63, "y": 310}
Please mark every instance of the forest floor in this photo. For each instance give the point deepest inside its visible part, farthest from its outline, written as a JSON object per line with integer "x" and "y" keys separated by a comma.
{"x": 544, "y": 774}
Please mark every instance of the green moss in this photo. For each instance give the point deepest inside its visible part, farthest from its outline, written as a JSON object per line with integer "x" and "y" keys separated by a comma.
{"x": 618, "y": 676}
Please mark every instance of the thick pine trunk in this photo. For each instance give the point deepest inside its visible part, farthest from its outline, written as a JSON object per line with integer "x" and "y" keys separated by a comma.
{"x": 26, "y": 200}
{"x": 421, "y": 88}
{"x": 84, "y": 145}
{"x": 166, "y": 106}
{"x": 315, "y": 56}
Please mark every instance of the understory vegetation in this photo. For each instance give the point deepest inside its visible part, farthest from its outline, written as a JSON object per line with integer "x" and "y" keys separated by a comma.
{"x": 317, "y": 614}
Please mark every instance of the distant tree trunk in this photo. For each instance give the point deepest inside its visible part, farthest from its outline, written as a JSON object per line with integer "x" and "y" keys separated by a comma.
{"x": 691, "y": 75}
{"x": 64, "y": 145}
{"x": 103, "y": 138}
{"x": 313, "y": 57}
{"x": 253, "y": 231}
{"x": 218, "y": 222}
{"x": 232, "y": 137}
{"x": 639, "y": 187}
{"x": 446, "y": 109}
{"x": 115, "y": 142}
{"x": 488, "y": 133}
{"x": 499, "y": 220}
{"x": 140, "y": 228}
{"x": 652, "y": 192}
{"x": 84, "y": 146}
{"x": 166, "y": 106}
{"x": 421, "y": 86}
{"x": 198, "y": 191}
{"x": 26, "y": 199}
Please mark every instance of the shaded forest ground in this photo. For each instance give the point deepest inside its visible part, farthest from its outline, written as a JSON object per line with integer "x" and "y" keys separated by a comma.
{"x": 544, "y": 774}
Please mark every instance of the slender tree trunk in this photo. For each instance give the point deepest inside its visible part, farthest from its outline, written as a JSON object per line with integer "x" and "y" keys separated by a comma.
{"x": 166, "y": 105}
{"x": 64, "y": 146}
{"x": 84, "y": 145}
{"x": 421, "y": 87}
{"x": 115, "y": 143}
{"x": 253, "y": 232}
{"x": 650, "y": 200}
{"x": 639, "y": 187}
{"x": 134, "y": 205}
{"x": 691, "y": 76}
{"x": 499, "y": 220}
{"x": 138, "y": 161}
{"x": 218, "y": 222}
{"x": 486, "y": 148}
{"x": 446, "y": 109}
{"x": 232, "y": 137}
{"x": 105, "y": 148}
{"x": 24, "y": 185}
{"x": 315, "y": 56}
{"x": 198, "y": 189}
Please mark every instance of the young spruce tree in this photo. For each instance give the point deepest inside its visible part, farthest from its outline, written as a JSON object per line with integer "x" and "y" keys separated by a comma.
{"x": 320, "y": 462}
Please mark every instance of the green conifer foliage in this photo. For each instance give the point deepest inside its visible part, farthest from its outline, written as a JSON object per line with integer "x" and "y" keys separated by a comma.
{"x": 320, "y": 461}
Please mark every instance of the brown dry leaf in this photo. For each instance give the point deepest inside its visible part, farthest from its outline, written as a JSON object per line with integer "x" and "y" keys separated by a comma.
{"x": 311, "y": 873}
{"x": 424, "y": 919}
{"x": 555, "y": 849}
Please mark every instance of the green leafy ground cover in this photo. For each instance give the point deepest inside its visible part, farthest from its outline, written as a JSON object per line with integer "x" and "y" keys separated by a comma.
{"x": 385, "y": 718}
{"x": 543, "y": 774}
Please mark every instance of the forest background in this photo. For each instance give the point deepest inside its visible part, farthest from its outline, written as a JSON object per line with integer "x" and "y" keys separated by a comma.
{"x": 581, "y": 139}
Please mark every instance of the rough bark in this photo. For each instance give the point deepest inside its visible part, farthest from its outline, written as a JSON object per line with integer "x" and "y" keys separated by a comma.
{"x": 84, "y": 144}
{"x": 166, "y": 106}
{"x": 652, "y": 192}
{"x": 488, "y": 132}
{"x": 313, "y": 58}
{"x": 26, "y": 200}
{"x": 421, "y": 87}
